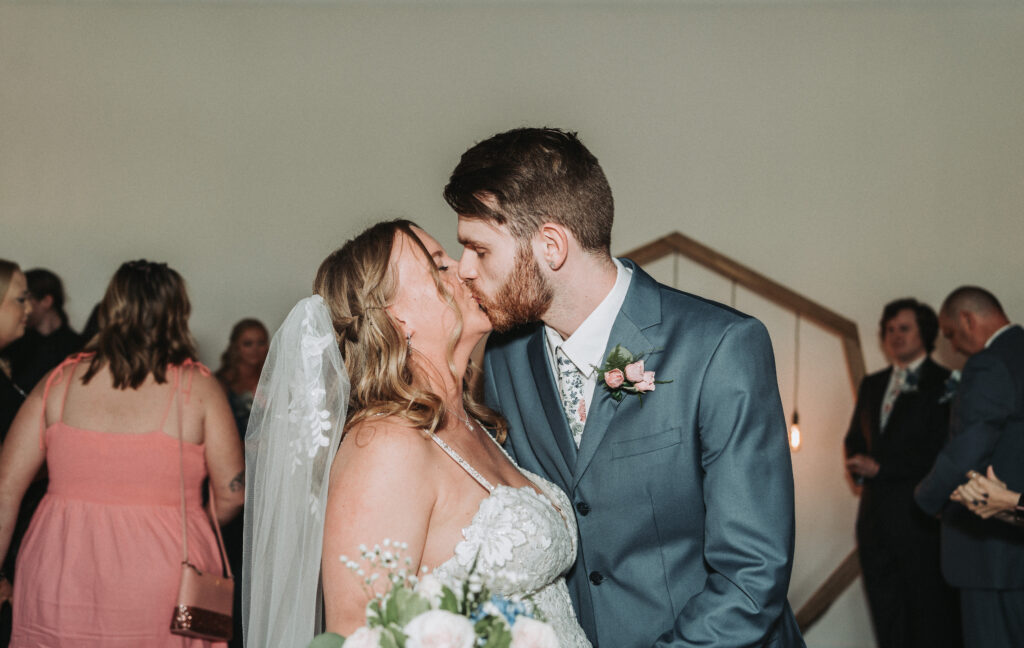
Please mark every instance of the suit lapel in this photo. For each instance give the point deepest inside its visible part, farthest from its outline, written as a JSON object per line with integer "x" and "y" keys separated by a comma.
{"x": 640, "y": 310}
{"x": 558, "y": 443}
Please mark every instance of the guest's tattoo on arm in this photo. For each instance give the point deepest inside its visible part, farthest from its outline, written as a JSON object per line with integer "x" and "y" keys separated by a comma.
{"x": 238, "y": 483}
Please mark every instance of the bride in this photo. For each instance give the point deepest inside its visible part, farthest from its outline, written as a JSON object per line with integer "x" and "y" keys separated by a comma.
{"x": 413, "y": 459}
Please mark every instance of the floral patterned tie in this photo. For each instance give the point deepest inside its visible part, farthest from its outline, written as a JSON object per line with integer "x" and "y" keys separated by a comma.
{"x": 899, "y": 377}
{"x": 570, "y": 388}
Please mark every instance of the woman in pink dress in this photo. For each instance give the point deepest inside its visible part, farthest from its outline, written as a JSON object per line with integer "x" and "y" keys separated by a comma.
{"x": 100, "y": 563}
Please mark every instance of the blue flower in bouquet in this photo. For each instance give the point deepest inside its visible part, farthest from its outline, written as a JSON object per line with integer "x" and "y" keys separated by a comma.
{"x": 499, "y": 606}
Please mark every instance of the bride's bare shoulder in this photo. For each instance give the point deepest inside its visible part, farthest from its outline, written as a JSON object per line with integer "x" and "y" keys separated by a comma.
{"x": 384, "y": 441}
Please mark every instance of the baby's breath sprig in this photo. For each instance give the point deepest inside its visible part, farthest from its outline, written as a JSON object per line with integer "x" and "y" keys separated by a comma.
{"x": 386, "y": 557}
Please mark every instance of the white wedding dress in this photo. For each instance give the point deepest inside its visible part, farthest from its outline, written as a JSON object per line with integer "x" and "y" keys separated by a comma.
{"x": 522, "y": 542}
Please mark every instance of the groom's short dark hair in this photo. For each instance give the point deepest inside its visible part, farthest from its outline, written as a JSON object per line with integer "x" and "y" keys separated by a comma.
{"x": 526, "y": 177}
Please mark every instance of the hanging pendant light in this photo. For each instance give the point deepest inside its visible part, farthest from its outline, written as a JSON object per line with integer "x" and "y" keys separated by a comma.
{"x": 794, "y": 427}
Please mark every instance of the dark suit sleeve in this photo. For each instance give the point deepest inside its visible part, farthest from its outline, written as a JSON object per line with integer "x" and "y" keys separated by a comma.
{"x": 855, "y": 442}
{"x": 748, "y": 497}
{"x": 984, "y": 403}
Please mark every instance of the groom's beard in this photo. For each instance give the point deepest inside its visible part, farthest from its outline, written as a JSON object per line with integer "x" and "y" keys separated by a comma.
{"x": 524, "y": 297}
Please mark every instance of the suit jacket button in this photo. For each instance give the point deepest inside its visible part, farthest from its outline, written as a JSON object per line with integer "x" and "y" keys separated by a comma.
{"x": 596, "y": 578}
{"x": 583, "y": 508}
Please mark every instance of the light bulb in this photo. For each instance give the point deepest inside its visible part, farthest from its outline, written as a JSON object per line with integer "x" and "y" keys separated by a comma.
{"x": 794, "y": 433}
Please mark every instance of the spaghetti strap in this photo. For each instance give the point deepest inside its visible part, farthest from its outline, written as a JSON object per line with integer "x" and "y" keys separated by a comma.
{"x": 182, "y": 386}
{"x": 462, "y": 462}
{"x": 55, "y": 377}
{"x": 174, "y": 394}
{"x": 190, "y": 365}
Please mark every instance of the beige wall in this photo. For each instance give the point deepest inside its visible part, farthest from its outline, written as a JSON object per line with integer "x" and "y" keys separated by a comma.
{"x": 855, "y": 152}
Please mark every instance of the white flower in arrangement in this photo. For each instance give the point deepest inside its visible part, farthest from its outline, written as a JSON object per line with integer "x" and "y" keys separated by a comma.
{"x": 430, "y": 588}
{"x": 531, "y": 633}
{"x": 440, "y": 629}
{"x": 364, "y": 638}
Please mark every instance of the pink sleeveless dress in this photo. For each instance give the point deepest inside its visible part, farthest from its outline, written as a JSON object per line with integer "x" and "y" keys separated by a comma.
{"x": 100, "y": 562}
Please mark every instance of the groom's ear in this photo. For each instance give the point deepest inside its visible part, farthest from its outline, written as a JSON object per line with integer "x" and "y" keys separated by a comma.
{"x": 552, "y": 244}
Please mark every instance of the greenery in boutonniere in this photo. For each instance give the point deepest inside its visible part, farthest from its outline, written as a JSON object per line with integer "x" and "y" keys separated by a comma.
{"x": 910, "y": 382}
{"x": 623, "y": 373}
{"x": 952, "y": 384}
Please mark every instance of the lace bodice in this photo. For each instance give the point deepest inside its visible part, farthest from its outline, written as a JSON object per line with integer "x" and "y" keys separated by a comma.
{"x": 522, "y": 543}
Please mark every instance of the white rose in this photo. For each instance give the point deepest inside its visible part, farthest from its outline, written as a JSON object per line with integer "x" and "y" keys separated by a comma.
{"x": 439, "y": 629}
{"x": 531, "y": 633}
{"x": 364, "y": 638}
{"x": 429, "y": 587}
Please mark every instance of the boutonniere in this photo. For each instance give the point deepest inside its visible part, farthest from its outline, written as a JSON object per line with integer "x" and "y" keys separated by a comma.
{"x": 910, "y": 383}
{"x": 952, "y": 384}
{"x": 623, "y": 373}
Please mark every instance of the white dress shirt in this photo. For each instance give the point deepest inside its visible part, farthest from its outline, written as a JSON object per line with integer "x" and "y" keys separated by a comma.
{"x": 585, "y": 347}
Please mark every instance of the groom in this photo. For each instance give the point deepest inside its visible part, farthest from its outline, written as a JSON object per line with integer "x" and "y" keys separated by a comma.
{"x": 685, "y": 502}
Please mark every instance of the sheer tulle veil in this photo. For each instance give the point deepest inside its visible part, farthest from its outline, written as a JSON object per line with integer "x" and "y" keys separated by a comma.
{"x": 297, "y": 419}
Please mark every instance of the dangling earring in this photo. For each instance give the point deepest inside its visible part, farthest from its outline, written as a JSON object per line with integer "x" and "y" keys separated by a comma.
{"x": 408, "y": 342}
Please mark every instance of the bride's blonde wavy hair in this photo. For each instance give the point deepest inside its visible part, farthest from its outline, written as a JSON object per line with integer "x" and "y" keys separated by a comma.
{"x": 358, "y": 283}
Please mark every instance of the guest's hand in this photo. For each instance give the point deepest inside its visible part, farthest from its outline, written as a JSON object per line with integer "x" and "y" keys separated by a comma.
{"x": 863, "y": 465}
{"x": 6, "y": 591}
{"x": 986, "y": 495}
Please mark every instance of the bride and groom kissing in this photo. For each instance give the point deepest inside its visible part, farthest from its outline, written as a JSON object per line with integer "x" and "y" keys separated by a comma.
{"x": 628, "y": 472}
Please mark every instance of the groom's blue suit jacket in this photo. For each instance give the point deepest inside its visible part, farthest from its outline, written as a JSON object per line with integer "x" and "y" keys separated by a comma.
{"x": 684, "y": 503}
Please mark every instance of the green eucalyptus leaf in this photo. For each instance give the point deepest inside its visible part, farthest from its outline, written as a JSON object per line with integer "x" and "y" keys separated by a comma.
{"x": 408, "y": 605}
{"x": 497, "y": 632}
{"x": 391, "y": 611}
{"x": 392, "y": 638}
{"x": 449, "y": 602}
{"x": 327, "y": 640}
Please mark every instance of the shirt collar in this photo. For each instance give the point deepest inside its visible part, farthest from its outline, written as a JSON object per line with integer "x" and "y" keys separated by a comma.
{"x": 996, "y": 334}
{"x": 913, "y": 366}
{"x": 585, "y": 347}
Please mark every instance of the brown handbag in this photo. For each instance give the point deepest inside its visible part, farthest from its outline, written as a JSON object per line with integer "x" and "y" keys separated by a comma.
{"x": 205, "y": 601}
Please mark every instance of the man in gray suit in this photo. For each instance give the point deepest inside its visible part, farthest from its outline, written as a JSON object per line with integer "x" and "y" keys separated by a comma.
{"x": 983, "y": 558}
{"x": 656, "y": 411}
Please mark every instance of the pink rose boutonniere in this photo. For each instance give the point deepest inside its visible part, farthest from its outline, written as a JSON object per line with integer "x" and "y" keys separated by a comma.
{"x": 623, "y": 373}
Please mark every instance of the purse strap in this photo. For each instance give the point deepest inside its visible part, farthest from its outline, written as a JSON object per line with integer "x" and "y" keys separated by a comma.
{"x": 226, "y": 565}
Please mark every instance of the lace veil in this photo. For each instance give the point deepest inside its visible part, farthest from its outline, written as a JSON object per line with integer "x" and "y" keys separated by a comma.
{"x": 294, "y": 430}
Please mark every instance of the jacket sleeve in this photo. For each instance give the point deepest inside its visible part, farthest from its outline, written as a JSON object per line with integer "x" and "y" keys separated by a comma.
{"x": 748, "y": 498}
{"x": 983, "y": 407}
{"x": 855, "y": 443}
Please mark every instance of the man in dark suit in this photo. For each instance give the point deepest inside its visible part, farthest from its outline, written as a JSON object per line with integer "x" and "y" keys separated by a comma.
{"x": 984, "y": 559}
{"x": 898, "y": 427}
{"x": 677, "y": 464}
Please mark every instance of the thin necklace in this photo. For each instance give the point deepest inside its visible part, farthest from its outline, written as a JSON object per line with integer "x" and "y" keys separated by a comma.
{"x": 466, "y": 420}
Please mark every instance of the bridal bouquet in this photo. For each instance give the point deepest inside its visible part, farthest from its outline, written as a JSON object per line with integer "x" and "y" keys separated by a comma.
{"x": 421, "y": 612}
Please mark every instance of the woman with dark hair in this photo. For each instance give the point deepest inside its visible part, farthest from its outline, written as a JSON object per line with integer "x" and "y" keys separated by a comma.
{"x": 48, "y": 337}
{"x": 239, "y": 374}
{"x": 378, "y": 361}
{"x": 241, "y": 365}
{"x": 14, "y": 311}
{"x": 127, "y": 431}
